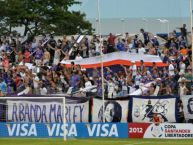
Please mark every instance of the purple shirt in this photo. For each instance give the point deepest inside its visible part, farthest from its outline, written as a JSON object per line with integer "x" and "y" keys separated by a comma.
{"x": 39, "y": 54}
{"x": 75, "y": 80}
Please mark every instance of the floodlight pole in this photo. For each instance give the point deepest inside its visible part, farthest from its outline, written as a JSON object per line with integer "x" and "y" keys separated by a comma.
{"x": 101, "y": 51}
{"x": 97, "y": 29}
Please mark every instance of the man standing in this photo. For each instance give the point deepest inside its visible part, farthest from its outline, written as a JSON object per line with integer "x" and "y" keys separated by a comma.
{"x": 183, "y": 31}
{"x": 111, "y": 43}
{"x": 145, "y": 36}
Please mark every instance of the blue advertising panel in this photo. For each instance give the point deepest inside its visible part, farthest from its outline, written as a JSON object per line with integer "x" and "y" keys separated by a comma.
{"x": 78, "y": 130}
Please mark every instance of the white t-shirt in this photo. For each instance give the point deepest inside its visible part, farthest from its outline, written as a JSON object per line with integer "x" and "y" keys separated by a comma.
{"x": 131, "y": 89}
{"x": 182, "y": 68}
{"x": 36, "y": 80}
{"x": 171, "y": 70}
{"x": 88, "y": 84}
{"x": 137, "y": 79}
{"x": 141, "y": 50}
{"x": 97, "y": 47}
{"x": 43, "y": 91}
{"x": 181, "y": 79}
{"x": 182, "y": 90}
{"x": 111, "y": 87}
{"x": 78, "y": 58}
{"x": 134, "y": 70}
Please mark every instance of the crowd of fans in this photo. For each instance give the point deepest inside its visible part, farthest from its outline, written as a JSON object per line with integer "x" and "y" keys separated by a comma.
{"x": 44, "y": 74}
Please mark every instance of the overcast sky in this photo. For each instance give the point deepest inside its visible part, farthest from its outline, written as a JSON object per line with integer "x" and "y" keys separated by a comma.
{"x": 135, "y": 8}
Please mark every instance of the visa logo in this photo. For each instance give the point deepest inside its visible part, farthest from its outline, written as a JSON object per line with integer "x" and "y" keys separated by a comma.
{"x": 58, "y": 129}
{"x": 22, "y": 130}
{"x": 102, "y": 130}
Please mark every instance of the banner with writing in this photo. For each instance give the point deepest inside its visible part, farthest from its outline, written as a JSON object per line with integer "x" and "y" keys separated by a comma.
{"x": 47, "y": 111}
{"x": 143, "y": 108}
{"x": 114, "y": 110}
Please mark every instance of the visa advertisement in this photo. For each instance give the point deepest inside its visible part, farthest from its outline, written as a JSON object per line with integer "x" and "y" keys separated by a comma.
{"x": 57, "y": 130}
{"x": 97, "y": 130}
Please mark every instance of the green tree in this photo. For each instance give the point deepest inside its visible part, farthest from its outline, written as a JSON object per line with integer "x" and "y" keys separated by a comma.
{"x": 43, "y": 16}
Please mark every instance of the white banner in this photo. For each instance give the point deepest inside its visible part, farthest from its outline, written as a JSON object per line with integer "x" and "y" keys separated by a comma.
{"x": 114, "y": 110}
{"x": 115, "y": 56}
{"x": 144, "y": 108}
{"x": 188, "y": 106}
{"x": 33, "y": 111}
{"x": 170, "y": 131}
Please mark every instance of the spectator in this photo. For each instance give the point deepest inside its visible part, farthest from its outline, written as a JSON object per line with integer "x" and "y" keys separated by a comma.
{"x": 111, "y": 43}
{"x": 145, "y": 36}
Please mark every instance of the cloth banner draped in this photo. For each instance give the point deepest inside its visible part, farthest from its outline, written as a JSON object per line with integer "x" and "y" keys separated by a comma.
{"x": 117, "y": 58}
{"x": 142, "y": 108}
{"x": 50, "y": 110}
{"x": 188, "y": 106}
{"x": 114, "y": 110}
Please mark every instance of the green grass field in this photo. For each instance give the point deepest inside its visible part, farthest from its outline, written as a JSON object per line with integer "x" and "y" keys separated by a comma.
{"x": 12, "y": 141}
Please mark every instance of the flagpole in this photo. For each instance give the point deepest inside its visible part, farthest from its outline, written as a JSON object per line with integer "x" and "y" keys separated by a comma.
{"x": 101, "y": 52}
{"x": 191, "y": 39}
